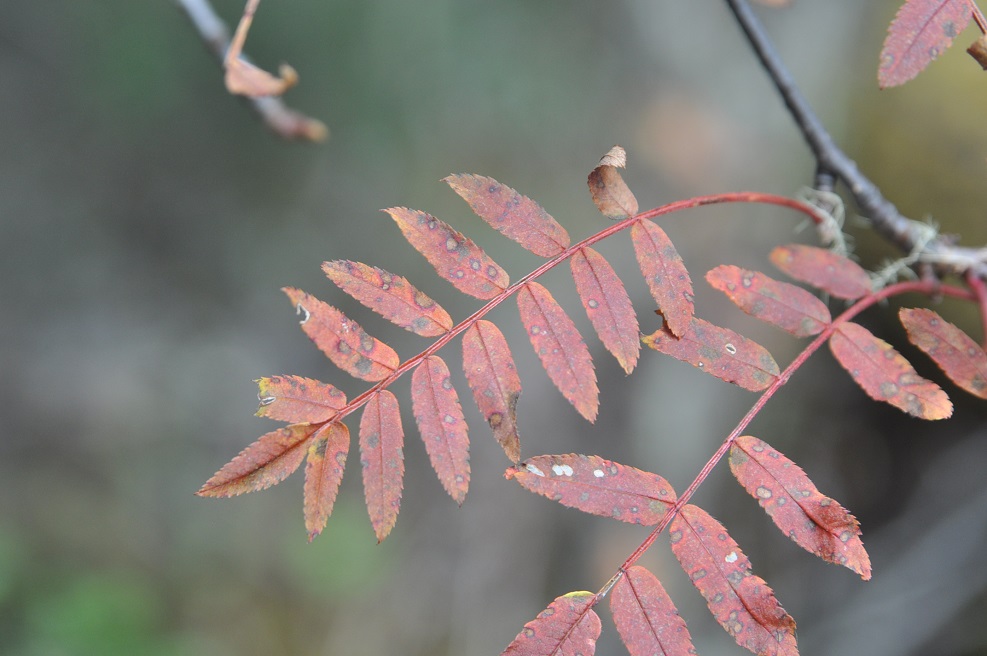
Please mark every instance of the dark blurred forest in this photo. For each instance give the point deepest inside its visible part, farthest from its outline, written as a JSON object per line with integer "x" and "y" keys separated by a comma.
{"x": 149, "y": 222}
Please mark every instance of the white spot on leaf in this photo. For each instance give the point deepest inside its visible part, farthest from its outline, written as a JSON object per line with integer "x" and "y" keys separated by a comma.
{"x": 598, "y": 473}
{"x": 534, "y": 470}
{"x": 731, "y": 557}
{"x": 299, "y": 309}
{"x": 562, "y": 470}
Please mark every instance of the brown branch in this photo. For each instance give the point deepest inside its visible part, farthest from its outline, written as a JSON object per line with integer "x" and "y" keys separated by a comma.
{"x": 277, "y": 116}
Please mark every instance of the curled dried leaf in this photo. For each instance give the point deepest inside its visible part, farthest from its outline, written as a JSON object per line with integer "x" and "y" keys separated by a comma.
{"x": 610, "y": 193}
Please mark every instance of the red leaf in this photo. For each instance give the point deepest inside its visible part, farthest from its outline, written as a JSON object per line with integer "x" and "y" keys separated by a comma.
{"x": 741, "y": 602}
{"x": 454, "y": 256}
{"x": 608, "y": 306}
{"x": 391, "y": 296}
{"x": 382, "y": 459}
{"x": 886, "y": 375}
{"x": 597, "y": 486}
{"x": 266, "y": 462}
{"x": 296, "y": 399}
{"x": 919, "y": 33}
{"x": 344, "y": 342}
{"x": 515, "y": 216}
{"x": 494, "y": 382}
{"x": 442, "y": 425}
{"x": 568, "y": 627}
{"x": 953, "y": 350}
{"x": 832, "y": 273}
{"x": 665, "y": 274}
{"x": 561, "y": 349}
{"x": 789, "y": 307}
{"x": 323, "y": 474}
{"x": 815, "y": 522}
{"x": 720, "y": 352}
{"x": 610, "y": 193}
{"x": 646, "y": 618}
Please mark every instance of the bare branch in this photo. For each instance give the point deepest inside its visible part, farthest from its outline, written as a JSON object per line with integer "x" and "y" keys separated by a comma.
{"x": 281, "y": 119}
{"x": 832, "y": 162}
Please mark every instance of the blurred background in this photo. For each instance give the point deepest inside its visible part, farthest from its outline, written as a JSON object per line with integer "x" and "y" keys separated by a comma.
{"x": 149, "y": 221}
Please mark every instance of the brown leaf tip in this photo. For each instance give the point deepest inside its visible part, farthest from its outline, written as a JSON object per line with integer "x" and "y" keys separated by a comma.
{"x": 616, "y": 156}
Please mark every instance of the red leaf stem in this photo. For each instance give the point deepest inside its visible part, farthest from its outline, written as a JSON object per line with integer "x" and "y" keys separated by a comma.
{"x": 922, "y": 287}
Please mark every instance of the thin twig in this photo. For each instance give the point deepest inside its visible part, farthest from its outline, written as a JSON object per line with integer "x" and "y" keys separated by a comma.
{"x": 885, "y": 218}
{"x": 281, "y": 119}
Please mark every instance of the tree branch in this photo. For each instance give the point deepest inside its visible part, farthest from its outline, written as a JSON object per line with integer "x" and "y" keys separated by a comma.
{"x": 832, "y": 162}
{"x": 281, "y": 119}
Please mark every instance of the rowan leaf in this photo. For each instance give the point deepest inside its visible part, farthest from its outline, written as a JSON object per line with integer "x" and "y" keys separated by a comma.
{"x": 512, "y": 214}
{"x": 390, "y": 296}
{"x": 832, "y": 273}
{"x": 295, "y": 399}
{"x": 741, "y": 602}
{"x": 720, "y": 352}
{"x": 382, "y": 460}
{"x": 647, "y": 620}
{"x": 442, "y": 425}
{"x": 885, "y": 375}
{"x": 454, "y": 256}
{"x": 815, "y": 522}
{"x": 493, "y": 379}
{"x": 665, "y": 273}
{"x": 323, "y": 474}
{"x": 266, "y": 462}
{"x": 597, "y": 486}
{"x": 607, "y": 305}
{"x": 568, "y": 627}
{"x": 343, "y": 341}
{"x": 791, "y": 308}
{"x": 610, "y": 193}
{"x": 560, "y": 348}
{"x": 920, "y": 32}
{"x": 960, "y": 358}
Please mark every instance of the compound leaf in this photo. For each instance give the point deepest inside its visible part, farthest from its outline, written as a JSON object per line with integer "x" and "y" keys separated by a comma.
{"x": 610, "y": 193}
{"x": 266, "y": 462}
{"x": 493, "y": 379}
{"x": 815, "y": 522}
{"x": 720, "y": 352}
{"x": 741, "y": 602}
{"x": 832, "y": 273}
{"x": 960, "y": 358}
{"x": 382, "y": 459}
{"x": 886, "y": 375}
{"x": 512, "y": 214}
{"x": 607, "y": 305}
{"x": 597, "y": 486}
{"x": 296, "y": 399}
{"x": 919, "y": 33}
{"x": 390, "y": 296}
{"x": 560, "y": 348}
{"x": 568, "y": 627}
{"x": 647, "y": 620}
{"x": 791, "y": 308}
{"x": 343, "y": 341}
{"x": 665, "y": 273}
{"x": 323, "y": 474}
{"x": 454, "y": 256}
{"x": 442, "y": 425}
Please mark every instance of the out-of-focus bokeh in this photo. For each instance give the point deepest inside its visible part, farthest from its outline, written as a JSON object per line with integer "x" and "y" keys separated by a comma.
{"x": 149, "y": 221}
